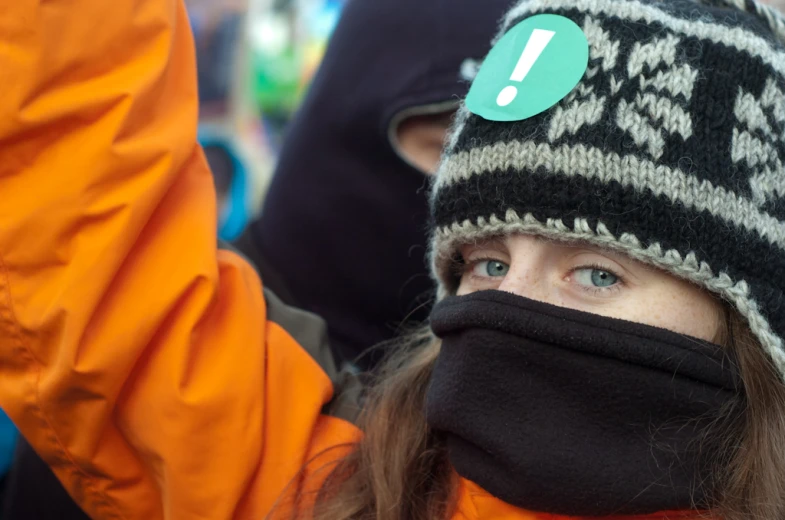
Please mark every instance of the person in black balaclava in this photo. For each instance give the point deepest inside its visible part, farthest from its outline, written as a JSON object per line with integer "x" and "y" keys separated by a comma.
{"x": 343, "y": 229}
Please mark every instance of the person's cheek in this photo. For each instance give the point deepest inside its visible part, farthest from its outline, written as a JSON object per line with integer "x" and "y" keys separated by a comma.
{"x": 464, "y": 288}
{"x": 682, "y": 311}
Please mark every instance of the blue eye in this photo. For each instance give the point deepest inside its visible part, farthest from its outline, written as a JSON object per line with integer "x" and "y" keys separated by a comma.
{"x": 491, "y": 268}
{"x": 602, "y": 278}
{"x": 598, "y": 278}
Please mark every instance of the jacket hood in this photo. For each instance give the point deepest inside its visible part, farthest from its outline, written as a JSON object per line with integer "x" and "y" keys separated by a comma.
{"x": 344, "y": 222}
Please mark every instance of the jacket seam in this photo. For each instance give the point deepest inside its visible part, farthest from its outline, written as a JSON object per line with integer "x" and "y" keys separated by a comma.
{"x": 13, "y": 327}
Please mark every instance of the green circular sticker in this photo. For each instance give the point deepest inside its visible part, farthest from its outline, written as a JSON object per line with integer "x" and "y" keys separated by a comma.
{"x": 533, "y": 67}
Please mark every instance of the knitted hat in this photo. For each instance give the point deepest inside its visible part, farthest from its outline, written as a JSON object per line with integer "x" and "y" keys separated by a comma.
{"x": 670, "y": 149}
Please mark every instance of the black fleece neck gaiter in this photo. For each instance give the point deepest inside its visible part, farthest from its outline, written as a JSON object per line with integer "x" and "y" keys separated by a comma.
{"x": 560, "y": 411}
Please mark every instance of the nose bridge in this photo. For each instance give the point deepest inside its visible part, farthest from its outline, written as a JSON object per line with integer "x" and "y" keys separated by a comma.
{"x": 526, "y": 276}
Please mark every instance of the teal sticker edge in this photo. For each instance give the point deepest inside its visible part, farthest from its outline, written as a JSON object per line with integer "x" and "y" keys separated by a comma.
{"x": 503, "y": 114}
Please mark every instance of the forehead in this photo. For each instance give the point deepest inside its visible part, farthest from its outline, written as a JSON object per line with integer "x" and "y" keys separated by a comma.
{"x": 521, "y": 241}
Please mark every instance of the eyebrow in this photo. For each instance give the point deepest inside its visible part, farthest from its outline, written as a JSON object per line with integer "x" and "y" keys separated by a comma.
{"x": 495, "y": 243}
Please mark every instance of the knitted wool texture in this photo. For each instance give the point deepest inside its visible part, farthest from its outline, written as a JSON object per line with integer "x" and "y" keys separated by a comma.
{"x": 670, "y": 149}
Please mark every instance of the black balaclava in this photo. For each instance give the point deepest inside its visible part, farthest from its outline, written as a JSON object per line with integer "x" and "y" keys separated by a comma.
{"x": 343, "y": 228}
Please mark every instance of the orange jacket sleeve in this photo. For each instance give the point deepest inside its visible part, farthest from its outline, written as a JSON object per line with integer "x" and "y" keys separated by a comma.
{"x": 135, "y": 358}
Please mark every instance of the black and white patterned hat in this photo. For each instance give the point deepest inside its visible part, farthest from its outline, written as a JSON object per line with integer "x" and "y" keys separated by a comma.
{"x": 670, "y": 149}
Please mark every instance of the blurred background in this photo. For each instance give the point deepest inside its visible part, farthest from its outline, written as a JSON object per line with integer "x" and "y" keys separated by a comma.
{"x": 256, "y": 59}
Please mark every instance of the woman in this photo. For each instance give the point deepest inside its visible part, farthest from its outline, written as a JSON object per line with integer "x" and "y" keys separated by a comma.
{"x": 613, "y": 347}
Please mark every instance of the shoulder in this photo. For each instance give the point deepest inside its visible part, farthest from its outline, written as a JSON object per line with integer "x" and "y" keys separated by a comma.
{"x": 309, "y": 331}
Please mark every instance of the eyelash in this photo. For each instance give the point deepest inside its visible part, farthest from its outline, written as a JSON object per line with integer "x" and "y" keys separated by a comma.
{"x": 463, "y": 267}
{"x": 596, "y": 291}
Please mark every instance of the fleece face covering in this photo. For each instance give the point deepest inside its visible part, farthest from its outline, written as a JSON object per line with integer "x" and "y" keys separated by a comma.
{"x": 560, "y": 411}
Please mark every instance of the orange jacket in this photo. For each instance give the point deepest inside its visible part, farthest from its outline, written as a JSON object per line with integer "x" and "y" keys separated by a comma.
{"x": 146, "y": 368}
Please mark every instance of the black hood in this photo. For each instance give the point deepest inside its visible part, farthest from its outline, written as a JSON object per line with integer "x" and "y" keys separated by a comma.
{"x": 344, "y": 224}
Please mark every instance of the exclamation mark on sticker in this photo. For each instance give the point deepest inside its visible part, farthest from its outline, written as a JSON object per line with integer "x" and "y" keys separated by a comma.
{"x": 538, "y": 40}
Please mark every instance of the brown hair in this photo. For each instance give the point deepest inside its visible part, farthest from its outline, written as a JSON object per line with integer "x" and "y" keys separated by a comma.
{"x": 400, "y": 468}
{"x": 752, "y": 485}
